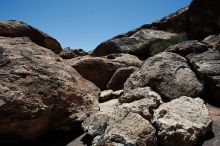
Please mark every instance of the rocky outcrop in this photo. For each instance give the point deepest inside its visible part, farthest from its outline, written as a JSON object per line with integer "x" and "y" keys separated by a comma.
{"x": 137, "y": 44}
{"x": 100, "y": 70}
{"x": 38, "y": 91}
{"x": 198, "y": 20}
{"x": 175, "y": 22}
{"x": 182, "y": 121}
{"x": 119, "y": 77}
{"x": 168, "y": 74}
{"x": 204, "y": 18}
{"x": 68, "y": 53}
{"x": 13, "y": 28}
{"x": 188, "y": 47}
{"x": 207, "y": 66}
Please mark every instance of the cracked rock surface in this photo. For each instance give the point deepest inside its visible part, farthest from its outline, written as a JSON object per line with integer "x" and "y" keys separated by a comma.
{"x": 168, "y": 74}
{"x": 182, "y": 121}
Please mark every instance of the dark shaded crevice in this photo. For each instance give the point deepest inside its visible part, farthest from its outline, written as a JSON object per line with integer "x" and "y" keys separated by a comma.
{"x": 54, "y": 138}
{"x": 204, "y": 138}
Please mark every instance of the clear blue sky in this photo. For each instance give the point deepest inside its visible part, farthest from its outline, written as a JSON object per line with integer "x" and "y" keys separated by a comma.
{"x": 86, "y": 23}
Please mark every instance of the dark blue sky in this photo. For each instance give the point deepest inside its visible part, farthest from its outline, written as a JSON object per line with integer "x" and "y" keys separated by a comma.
{"x": 86, "y": 23}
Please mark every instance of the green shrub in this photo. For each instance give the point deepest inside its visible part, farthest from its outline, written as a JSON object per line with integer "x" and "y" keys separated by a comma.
{"x": 162, "y": 45}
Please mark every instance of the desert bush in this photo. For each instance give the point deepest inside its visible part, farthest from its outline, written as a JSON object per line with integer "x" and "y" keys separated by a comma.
{"x": 162, "y": 45}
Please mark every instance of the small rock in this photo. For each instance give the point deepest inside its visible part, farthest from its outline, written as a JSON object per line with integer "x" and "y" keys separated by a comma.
{"x": 106, "y": 95}
{"x": 137, "y": 94}
{"x": 117, "y": 93}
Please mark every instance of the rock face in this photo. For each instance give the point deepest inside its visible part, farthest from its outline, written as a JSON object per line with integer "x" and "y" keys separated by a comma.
{"x": 39, "y": 92}
{"x": 168, "y": 74}
{"x": 204, "y": 18}
{"x": 182, "y": 121}
{"x": 200, "y": 19}
{"x": 68, "y": 53}
{"x": 120, "y": 76}
{"x": 100, "y": 70}
{"x": 136, "y": 44}
{"x": 207, "y": 66}
{"x": 188, "y": 47}
{"x": 175, "y": 22}
{"x": 13, "y": 28}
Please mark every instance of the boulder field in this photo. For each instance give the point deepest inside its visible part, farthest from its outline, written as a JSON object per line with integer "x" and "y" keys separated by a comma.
{"x": 157, "y": 85}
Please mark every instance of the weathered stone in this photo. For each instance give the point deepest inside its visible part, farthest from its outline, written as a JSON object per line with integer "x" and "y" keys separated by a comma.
{"x": 139, "y": 93}
{"x": 182, "y": 121}
{"x": 99, "y": 70}
{"x": 120, "y": 76}
{"x": 145, "y": 106}
{"x": 211, "y": 40}
{"x": 13, "y": 28}
{"x": 168, "y": 74}
{"x": 68, "y": 53}
{"x": 109, "y": 106}
{"x": 175, "y": 22}
{"x": 117, "y": 93}
{"x": 120, "y": 127}
{"x": 188, "y": 47}
{"x": 105, "y": 95}
{"x": 207, "y": 66}
{"x": 136, "y": 44}
{"x": 39, "y": 92}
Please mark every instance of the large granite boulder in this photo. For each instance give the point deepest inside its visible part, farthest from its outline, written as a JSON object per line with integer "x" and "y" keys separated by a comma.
{"x": 100, "y": 70}
{"x": 38, "y": 91}
{"x": 13, "y": 28}
{"x": 207, "y": 66}
{"x": 188, "y": 47}
{"x": 137, "y": 44}
{"x": 120, "y": 127}
{"x": 168, "y": 74}
{"x": 182, "y": 122}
